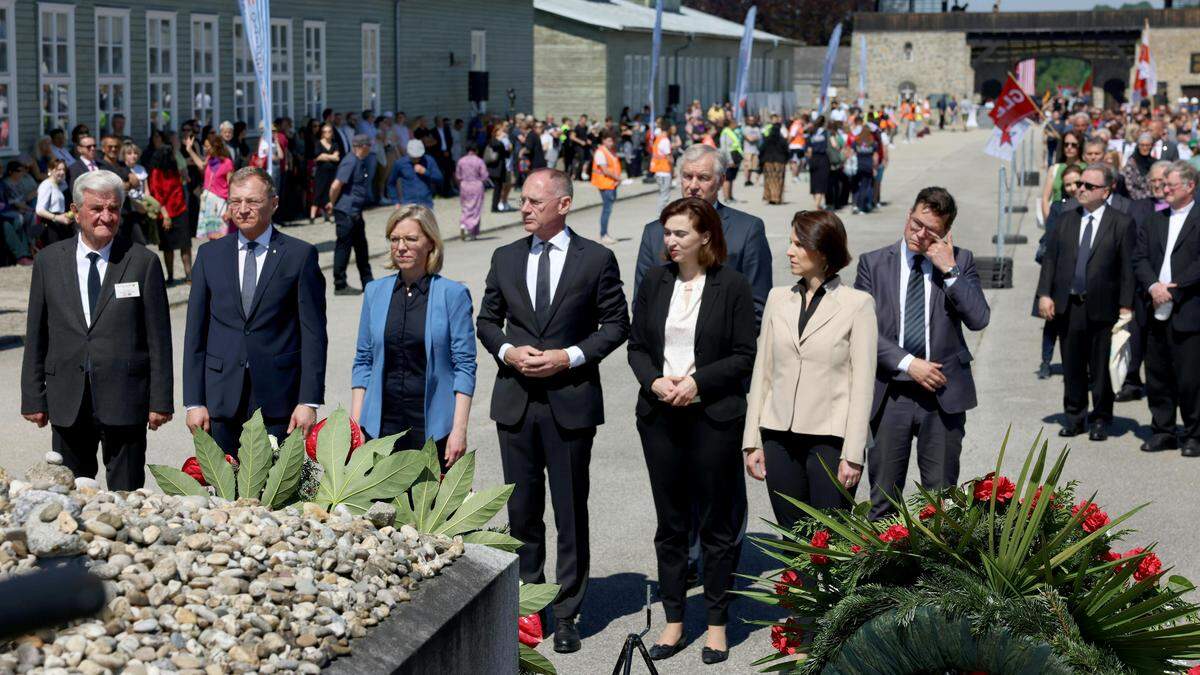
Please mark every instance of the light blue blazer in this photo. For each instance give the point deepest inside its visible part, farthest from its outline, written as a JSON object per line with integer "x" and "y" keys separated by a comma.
{"x": 449, "y": 352}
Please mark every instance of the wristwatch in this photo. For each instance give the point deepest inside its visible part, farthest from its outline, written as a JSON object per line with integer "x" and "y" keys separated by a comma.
{"x": 952, "y": 272}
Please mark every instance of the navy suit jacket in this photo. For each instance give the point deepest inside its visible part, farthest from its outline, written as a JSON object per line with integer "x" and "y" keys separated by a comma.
{"x": 281, "y": 342}
{"x": 950, "y": 308}
{"x": 745, "y": 241}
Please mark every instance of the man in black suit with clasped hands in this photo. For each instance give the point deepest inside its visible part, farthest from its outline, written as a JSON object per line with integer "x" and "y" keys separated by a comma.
{"x": 97, "y": 363}
{"x": 553, "y": 308}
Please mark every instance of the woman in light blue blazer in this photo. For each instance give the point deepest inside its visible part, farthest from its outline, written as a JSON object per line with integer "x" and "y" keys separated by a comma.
{"x": 414, "y": 367}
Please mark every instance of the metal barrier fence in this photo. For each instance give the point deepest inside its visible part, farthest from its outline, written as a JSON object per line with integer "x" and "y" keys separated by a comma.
{"x": 1016, "y": 185}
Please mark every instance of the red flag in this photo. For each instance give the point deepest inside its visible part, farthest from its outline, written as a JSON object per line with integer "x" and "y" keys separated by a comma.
{"x": 1012, "y": 106}
{"x": 1086, "y": 89}
{"x": 1145, "y": 83}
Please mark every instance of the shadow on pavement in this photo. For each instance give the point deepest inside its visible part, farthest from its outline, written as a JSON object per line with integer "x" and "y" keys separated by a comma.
{"x": 1118, "y": 427}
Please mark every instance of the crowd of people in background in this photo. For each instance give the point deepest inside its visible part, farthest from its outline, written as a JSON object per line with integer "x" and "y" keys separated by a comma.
{"x": 1120, "y": 248}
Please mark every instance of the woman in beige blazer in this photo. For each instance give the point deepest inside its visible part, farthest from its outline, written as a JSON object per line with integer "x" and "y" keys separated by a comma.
{"x": 814, "y": 374}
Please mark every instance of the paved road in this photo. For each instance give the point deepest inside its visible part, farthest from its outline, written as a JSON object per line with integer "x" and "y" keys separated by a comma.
{"x": 622, "y": 514}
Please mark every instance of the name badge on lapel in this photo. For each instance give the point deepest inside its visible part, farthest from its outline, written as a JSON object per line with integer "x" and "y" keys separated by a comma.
{"x": 128, "y": 290}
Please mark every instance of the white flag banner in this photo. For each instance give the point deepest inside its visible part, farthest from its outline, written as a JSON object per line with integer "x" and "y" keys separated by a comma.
{"x": 256, "y": 19}
{"x": 1003, "y": 143}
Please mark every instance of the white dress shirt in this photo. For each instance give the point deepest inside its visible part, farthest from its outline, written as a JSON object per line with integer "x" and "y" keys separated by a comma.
{"x": 1098, "y": 214}
{"x": 927, "y": 272}
{"x": 260, "y": 253}
{"x": 558, "y": 258}
{"x": 1174, "y": 225}
{"x": 679, "y": 333}
{"x": 83, "y": 266}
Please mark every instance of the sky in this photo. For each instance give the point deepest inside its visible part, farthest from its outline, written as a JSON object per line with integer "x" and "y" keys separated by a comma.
{"x": 1043, "y": 5}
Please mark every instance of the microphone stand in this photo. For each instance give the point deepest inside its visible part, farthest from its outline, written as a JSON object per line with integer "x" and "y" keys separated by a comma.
{"x": 625, "y": 663}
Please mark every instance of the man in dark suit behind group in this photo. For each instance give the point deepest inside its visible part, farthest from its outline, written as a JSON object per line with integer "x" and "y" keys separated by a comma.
{"x": 552, "y": 309}
{"x": 701, "y": 173}
{"x": 97, "y": 363}
{"x": 925, "y": 290}
{"x": 256, "y": 331}
{"x": 1167, "y": 265}
{"x": 1086, "y": 283}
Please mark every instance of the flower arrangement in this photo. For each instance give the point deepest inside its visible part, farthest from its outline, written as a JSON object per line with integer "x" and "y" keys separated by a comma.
{"x": 993, "y": 576}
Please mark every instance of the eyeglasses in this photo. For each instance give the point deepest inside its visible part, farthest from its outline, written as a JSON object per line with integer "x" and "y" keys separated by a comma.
{"x": 88, "y": 147}
{"x": 1083, "y": 185}
{"x": 252, "y": 203}
{"x": 1069, "y": 144}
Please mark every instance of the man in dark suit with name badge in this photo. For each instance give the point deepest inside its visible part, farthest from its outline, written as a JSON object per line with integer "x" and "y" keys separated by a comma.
{"x": 552, "y": 309}
{"x": 1086, "y": 283}
{"x": 256, "y": 334}
{"x": 97, "y": 363}
{"x": 925, "y": 289}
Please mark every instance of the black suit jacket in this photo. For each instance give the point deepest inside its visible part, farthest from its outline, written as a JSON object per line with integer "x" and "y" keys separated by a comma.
{"x": 950, "y": 308}
{"x": 588, "y": 311}
{"x": 1185, "y": 265}
{"x": 128, "y": 345}
{"x": 724, "y": 342}
{"x": 1109, "y": 269}
{"x": 745, "y": 242}
{"x": 282, "y": 341}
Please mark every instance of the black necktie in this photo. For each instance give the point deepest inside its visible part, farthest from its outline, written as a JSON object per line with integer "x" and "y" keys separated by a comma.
{"x": 541, "y": 302}
{"x": 93, "y": 285}
{"x": 249, "y": 277}
{"x": 914, "y": 310}
{"x": 1079, "y": 282}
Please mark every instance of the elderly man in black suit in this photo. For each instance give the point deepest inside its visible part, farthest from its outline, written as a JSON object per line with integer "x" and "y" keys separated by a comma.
{"x": 1167, "y": 265}
{"x": 552, "y": 309}
{"x": 1086, "y": 283}
{"x": 926, "y": 290}
{"x": 701, "y": 174}
{"x": 97, "y": 363}
{"x": 1142, "y": 211}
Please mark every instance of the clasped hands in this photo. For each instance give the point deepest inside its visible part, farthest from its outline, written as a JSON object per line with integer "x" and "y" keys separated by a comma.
{"x": 533, "y": 362}
{"x": 1160, "y": 293}
{"x": 674, "y": 390}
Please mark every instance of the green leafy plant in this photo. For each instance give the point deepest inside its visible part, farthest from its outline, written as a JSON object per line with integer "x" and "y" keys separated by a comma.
{"x": 271, "y": 477}
{"x": 373, "y": 473}
{"x": 446, "y": 505}
{"x": 533, "y": 598}
{"x": 955, "y": 573}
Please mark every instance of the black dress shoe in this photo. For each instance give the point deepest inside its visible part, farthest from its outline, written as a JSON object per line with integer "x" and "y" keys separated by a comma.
{"x": 1160, "y": 443}
{"x": 1073, "y": 430}
{"x": 1191, "y": 448}
{"x": 711, "y": 656}
{"x": 566, "y": 636}
{"x": 1098, "y": 432}
{"x": 1129, "y": 392}
{"x": 1044, "y": 371}
{"x": 659, "y": 652}
{"x": 347, "y": 290}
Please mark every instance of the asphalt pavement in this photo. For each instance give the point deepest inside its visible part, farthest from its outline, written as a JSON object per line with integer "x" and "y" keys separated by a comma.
{"x": 622, "y": 513}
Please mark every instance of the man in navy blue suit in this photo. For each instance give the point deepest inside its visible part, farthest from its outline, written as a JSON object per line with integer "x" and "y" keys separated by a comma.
{"x": 256, "y": 334}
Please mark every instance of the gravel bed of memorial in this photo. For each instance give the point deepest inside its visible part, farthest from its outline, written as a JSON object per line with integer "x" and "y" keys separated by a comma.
{"x": 205, "y": 585}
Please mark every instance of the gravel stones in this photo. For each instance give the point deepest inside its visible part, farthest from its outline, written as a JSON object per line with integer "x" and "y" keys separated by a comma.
{"x": 202, "y": 585}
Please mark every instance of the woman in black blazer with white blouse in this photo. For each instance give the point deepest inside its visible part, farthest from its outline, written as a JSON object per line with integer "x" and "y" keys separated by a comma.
{"x": 692, "y": 348}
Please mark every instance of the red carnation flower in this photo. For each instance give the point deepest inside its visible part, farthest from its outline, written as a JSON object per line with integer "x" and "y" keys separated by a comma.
{"x": 1093, "y": 517}
{"x": 789, "y": 579}
{"x": 785, "y": 637}
{"x": 310, "y": 442}
{"x": 1147, "y": 566}
{"x": 927, "y": 512}
{"x": 1195, "y": 670}
{"x": 529, "y": 629}
{"x": 895, "y": 534}
{"x": 855, "y": 548}
{"x": 1110, "y": 556}
{"x": 819, "y": 540}
{"x": 191, "y": 466}
{"x": 1004, "y": 488}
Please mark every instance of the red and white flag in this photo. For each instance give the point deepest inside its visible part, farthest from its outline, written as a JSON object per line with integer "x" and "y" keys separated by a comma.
{"x": 1012, "y": 116}
{"x": 1145, "y": 82}
{"x": 1027, "y": 75}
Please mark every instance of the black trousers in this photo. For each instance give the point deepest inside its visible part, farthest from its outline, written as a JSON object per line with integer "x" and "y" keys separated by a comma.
{"x": 1172, "y": 364}
{"x": 909, "y": 411}
{"x": 123, "y": 447}
{"x": 351, "y": 234}
{"x": 794, "y": 468}
{"x": 1084, "y": 346}
{"x": 227, "y": 431}
{"x": 531, "y": 451}
{"x": 695, "y": 462}
{"x": 413, "y": 440}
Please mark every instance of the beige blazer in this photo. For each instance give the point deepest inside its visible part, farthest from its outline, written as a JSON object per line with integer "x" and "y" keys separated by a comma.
{"x": 819, "y": 383}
